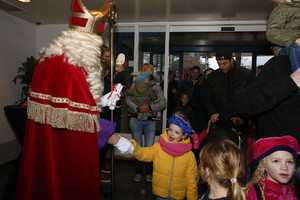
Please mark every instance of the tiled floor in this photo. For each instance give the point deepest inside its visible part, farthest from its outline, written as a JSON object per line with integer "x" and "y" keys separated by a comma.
{"x": 124, "y": 187}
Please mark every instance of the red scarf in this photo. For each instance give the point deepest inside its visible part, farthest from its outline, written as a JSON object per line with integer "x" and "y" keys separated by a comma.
{"x": 174, "y": 149}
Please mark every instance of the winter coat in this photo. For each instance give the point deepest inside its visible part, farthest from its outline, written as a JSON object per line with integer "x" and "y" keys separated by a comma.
{"x": 274, "y": 98}
{"x": 173, "y": 176}
{"x": 188, "y": 87}
{"x": 222, "y": 91}
{"x": 283, "y": 26}
{"x": 157, "y": 107}
{"x": 272, "y": 191}
{"x": 141, "y": 93}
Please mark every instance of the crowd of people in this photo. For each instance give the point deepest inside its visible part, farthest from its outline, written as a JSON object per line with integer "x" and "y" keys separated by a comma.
{"x": 208, "y": 113}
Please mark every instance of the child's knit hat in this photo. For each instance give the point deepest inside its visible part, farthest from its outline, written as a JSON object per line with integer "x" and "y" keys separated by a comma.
{"x": 182, "y": 122}
{"x": 266, "y": 146}
{"x": 186, "y": 126}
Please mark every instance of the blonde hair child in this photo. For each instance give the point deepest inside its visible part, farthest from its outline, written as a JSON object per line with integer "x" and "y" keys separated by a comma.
{"x": 276, "y": 169}
{"x": 222, "y": 167}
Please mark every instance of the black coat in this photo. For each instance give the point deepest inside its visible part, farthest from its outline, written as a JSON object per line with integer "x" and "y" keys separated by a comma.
{"x": 222, "y": 91}
{"x": 274, "y": 98}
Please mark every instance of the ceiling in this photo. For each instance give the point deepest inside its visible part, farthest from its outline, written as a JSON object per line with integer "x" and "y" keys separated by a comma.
{"x": 130, "y": 11}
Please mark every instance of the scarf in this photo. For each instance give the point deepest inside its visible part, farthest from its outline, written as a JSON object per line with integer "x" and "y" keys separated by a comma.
{"x": 174, "y": 149}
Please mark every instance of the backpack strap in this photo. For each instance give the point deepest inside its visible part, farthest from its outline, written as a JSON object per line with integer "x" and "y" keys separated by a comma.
{"x": 259, "y": 192}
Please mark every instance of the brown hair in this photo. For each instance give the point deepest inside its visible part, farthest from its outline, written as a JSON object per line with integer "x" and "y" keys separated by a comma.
{"x": 226, "y": 162}
{"x": 105, "y": 66}
{"x": 104, "y": 48}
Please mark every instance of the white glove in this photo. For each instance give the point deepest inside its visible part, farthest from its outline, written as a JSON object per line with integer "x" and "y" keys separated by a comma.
{"x": 124, "y": 146}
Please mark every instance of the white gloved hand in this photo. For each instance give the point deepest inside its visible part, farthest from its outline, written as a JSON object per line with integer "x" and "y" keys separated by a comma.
{"x": 124, "y": 146}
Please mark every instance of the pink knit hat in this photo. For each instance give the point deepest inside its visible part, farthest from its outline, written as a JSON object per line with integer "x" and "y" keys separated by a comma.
{"x": 266, "y": 146}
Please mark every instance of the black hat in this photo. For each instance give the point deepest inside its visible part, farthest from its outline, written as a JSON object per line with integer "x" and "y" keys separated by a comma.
{"x": 223, "y": 54}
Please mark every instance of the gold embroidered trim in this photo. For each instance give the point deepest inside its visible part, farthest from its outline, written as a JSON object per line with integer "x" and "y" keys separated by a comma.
{"x": 63, "y": 100}
{"x": 62, "y": 117}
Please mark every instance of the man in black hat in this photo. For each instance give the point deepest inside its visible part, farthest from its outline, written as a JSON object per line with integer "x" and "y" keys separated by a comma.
{"x": 222, "y": 89}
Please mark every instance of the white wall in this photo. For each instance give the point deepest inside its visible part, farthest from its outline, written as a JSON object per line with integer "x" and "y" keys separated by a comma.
{"x": 17, "y": 42}
{"x": 46, "y": 33}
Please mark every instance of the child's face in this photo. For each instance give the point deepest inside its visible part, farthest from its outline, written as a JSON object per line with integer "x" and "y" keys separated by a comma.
{"x": 175, "y": 133}
{"x": 184, "y": 99}
{"x": 280, "y": 167}
{"x": 119, "y": 68}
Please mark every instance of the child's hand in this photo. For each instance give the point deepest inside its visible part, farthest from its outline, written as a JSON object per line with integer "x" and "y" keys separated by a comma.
{"x": 144, "y": 108}
{"x": 215, "y": 117}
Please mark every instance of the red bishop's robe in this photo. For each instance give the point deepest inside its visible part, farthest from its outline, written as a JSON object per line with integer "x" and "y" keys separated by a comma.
{"x": 60, "y": 151}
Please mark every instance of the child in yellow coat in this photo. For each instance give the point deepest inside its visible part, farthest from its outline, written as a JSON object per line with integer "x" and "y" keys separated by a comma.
{"x": 174, "y": 164}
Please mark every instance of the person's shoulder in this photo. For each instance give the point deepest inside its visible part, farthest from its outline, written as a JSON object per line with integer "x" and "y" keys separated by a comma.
{"x": 278, "y": 59}
{"x": 186, "y": 81}
{"x": 278, "y": 63}
{"x": 215, "y": 74}
{"x": 243, "y": 70}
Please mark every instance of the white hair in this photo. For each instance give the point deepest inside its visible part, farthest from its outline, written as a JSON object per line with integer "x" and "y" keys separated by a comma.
{"x": 81, "y": 50}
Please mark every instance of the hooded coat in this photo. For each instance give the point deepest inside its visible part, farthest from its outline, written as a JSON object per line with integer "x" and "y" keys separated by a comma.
{"x": 175, "y": 172}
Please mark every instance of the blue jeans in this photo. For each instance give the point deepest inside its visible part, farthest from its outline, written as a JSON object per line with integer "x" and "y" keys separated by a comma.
{"x": 293, "y": 52}
{"x": 138, "y": 127}
{"x": 159, "y": 198}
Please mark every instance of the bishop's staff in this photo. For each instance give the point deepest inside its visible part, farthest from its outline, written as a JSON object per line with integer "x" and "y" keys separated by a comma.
{"x": 112, "y": 19}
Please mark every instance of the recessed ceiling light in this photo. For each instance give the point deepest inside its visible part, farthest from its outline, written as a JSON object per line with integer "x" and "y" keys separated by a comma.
{"x": 25, "y": 1}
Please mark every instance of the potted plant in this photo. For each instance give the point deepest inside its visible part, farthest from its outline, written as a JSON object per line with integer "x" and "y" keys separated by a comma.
{"x": 25, "y": 75}
{"x": 16, "y": 114}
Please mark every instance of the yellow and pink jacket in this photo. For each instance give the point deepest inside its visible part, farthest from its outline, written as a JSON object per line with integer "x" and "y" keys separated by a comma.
{"x": 174, "y": 167}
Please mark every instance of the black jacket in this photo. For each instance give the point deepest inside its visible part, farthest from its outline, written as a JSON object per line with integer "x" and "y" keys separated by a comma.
{"x": 221, "y": 92}
{"x": 274, "y": 98}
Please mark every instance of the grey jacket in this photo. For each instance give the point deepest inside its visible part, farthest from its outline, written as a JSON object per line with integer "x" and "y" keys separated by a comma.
{"x": 283, "y": 26}
{"x": 156, "y": 107}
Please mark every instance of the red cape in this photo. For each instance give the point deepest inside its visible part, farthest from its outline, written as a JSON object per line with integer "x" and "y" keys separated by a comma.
{"x": 60, "y": 152}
